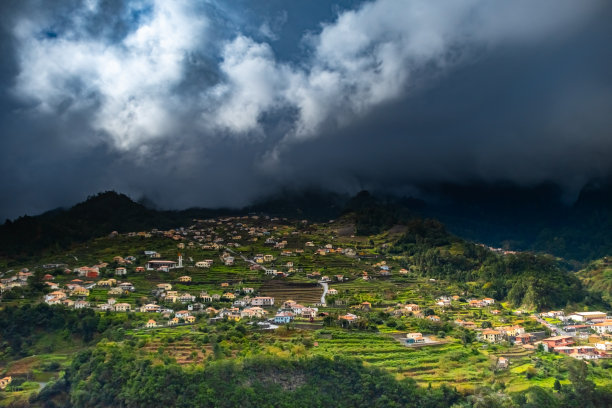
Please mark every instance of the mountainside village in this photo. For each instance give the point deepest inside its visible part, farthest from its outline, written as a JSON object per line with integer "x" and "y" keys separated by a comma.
{"x": 218, "y": 273}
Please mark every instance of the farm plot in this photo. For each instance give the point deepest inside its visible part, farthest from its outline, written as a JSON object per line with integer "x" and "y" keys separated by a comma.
{"x": 305, "y": 293}
{"x": 450, "y": 362}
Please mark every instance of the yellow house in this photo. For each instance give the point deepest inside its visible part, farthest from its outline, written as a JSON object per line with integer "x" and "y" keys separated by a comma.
{"x": 185, "y": 279}
{"x": 150, "y": 324}
{"x": 107, "y": 283}
{"x": 512, "y": 330}
{"x": 80, "y": 292}
{"x": 190, "y": 319}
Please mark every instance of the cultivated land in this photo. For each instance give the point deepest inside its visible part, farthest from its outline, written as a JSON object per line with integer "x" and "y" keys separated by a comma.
{"x": 423, "y": 308}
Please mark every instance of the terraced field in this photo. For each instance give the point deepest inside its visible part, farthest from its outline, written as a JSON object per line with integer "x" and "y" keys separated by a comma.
{"x": 304, "y": 293}
{"x": 223, "y": 274}
{"x": 450, "y": 362}
{"x": 185, "y": 352}
{"x": 179, "y": 343}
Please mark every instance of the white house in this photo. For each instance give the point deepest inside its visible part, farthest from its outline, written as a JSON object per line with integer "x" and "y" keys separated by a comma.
{"x": 262, "y": 301}
{"x": 154, "y": 265}
{"x": 587, "y": 316}
{"x": 603, "y": 327}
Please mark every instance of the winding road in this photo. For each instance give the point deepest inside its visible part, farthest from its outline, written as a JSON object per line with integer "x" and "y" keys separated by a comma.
{"x": 252, "y": 262}
{"x": 324, "y": 284}
{"x": 556, "y": 331}
{"x": 247, "y": 260}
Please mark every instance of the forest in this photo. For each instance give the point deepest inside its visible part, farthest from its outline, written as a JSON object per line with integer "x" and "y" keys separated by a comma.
{"x": 121, "y": 376}
{"x": 525, "y": 279}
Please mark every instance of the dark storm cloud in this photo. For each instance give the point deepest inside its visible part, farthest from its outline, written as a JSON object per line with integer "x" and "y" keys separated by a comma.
{"x": 526, "y": 115}
{"x": 216, "y": 103}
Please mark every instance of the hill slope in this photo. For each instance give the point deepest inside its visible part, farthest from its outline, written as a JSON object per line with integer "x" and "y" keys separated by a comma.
{"x": 597, "y": 278}
{"x": 97, "y": 216}
{"x": 524, "y": 279}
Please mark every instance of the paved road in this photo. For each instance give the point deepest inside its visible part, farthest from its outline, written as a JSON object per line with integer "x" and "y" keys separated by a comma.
{"x": 244, "y": 258}
{"x": 325, "y": 288}
{"x": 555, "y": 329}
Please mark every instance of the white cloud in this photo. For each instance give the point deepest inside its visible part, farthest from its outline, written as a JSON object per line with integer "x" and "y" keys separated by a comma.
{"x": 253, "y": 85}
{"x": 364, "y": 58}
{"x": 133, "y": 79}
{"x": 371, "y": 55}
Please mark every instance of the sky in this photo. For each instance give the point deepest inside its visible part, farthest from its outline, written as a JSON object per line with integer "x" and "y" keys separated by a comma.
{"x": 220, "y": 103}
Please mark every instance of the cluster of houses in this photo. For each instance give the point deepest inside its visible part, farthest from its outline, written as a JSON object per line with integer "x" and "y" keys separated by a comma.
{"x": 224, "y": 233}
{"x": 20, "y": 279}
{"x": 501, "y": 333}
{"x": 329, "y": 249}
{"x": 598, "y": 345}
{"x": 252, "y": 308}
{"x": 76, "y": 288}
{"x": 580, "y": 325}
{"x": 291, "y": 309}
{"x": 595, "y": 349}
{"x": 245, "y": 307}
{"x": 75, "y": 292}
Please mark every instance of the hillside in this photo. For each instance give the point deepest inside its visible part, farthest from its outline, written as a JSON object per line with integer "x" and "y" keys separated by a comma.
{"x": 501, "y": 215}
{"x": 597, "y": 278}
{"x": 524, "y": 279}
{"x": 109, "y": 211}
{"x": 98, "y": 216}
{"x": 131, "y": 380}
{"x": 536, "y": 218}
{"x": 100, "y": 327}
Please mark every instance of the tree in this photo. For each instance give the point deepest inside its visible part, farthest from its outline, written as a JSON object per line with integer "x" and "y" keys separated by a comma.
{"x": 583, "y": 387}
{"x": 467, "y": 337}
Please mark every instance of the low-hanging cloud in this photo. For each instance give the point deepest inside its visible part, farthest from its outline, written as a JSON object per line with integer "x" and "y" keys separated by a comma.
{"x": 179, "y": 91}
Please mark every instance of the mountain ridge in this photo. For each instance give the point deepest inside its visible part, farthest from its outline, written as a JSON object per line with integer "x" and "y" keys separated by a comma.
{"x": 499, "y": 215}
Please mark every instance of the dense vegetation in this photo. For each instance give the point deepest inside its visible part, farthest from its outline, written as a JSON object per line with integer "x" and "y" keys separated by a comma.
{"x": 118, "y": 376}
{"x": 98, "y": 216}
{"x": 524, "y": 279}
{"x": 122, "y": 376}
{"x": 372, "y": 215}
{"x": 597, "y": 277}
{"x": 528, "y": 218}
{"x": 23, "y": 326}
